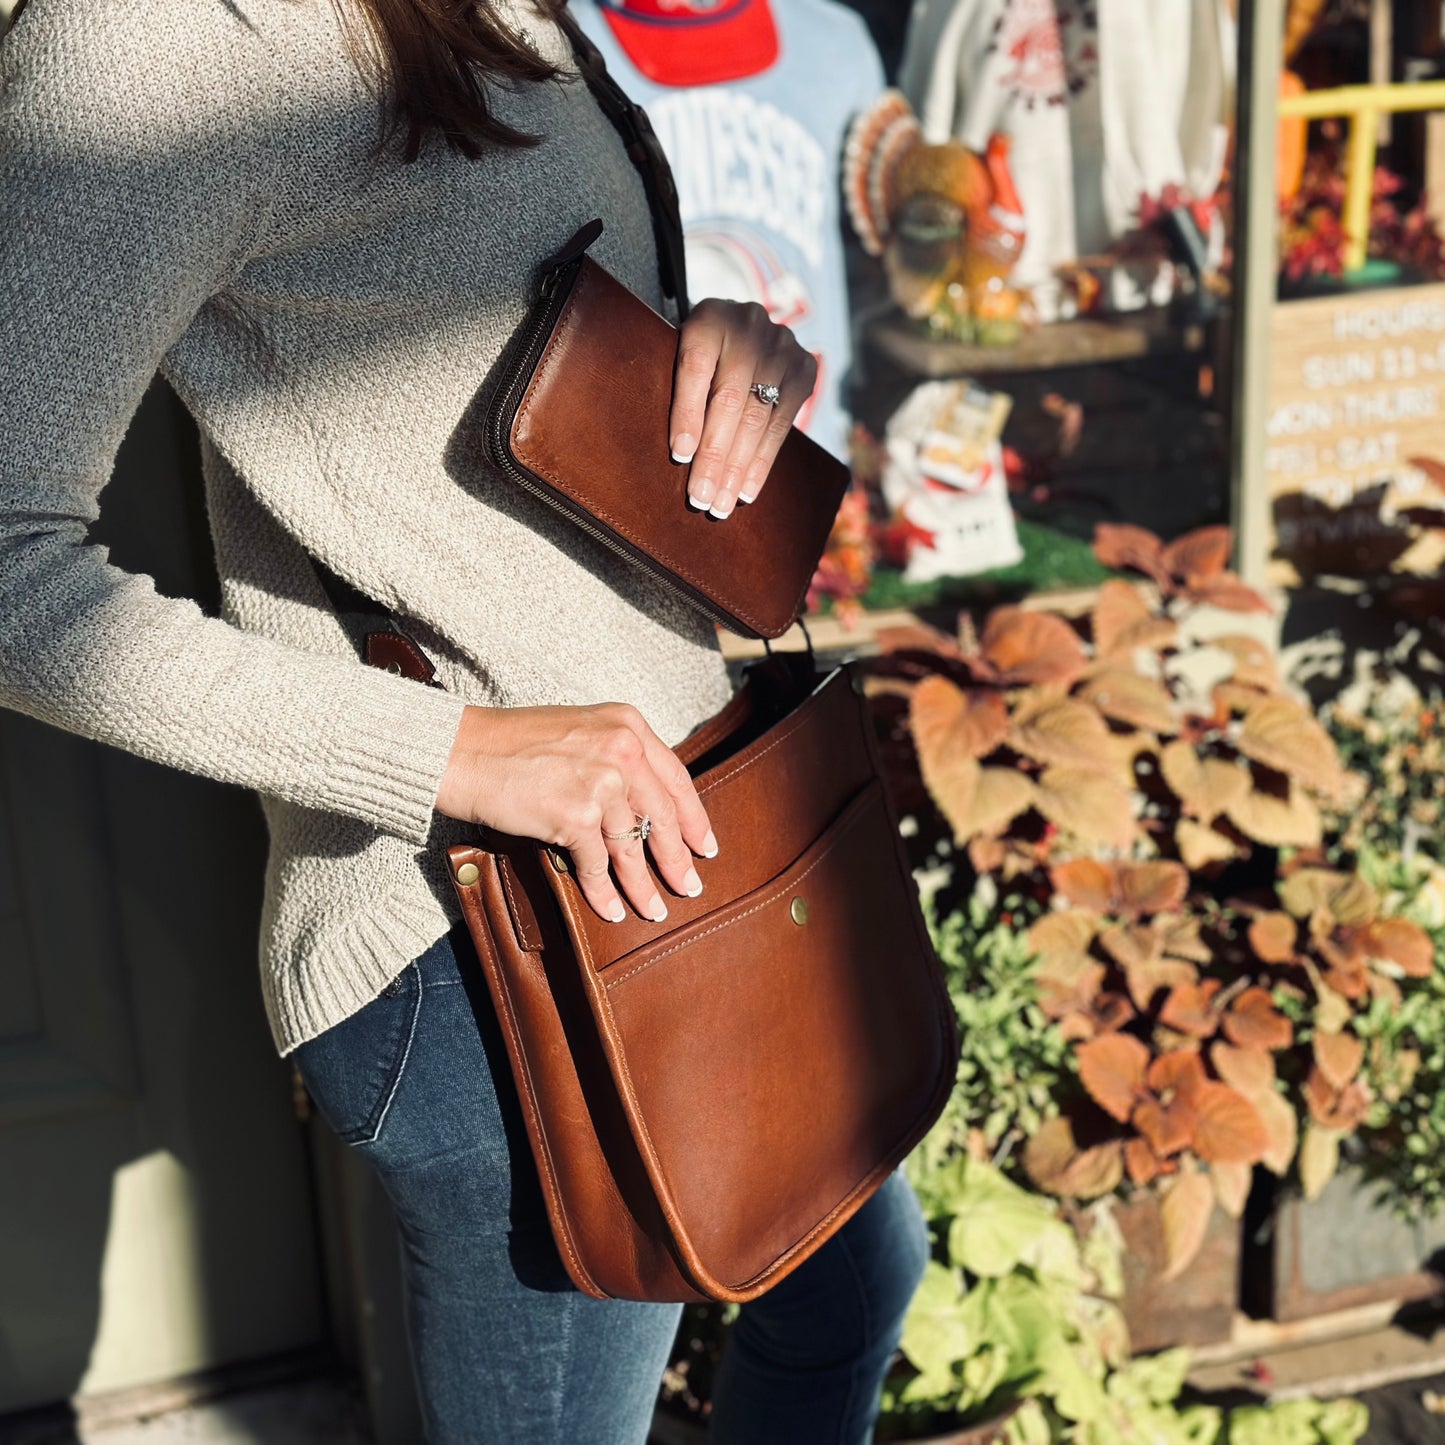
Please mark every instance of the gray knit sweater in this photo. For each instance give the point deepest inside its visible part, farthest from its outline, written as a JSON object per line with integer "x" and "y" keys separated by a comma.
{"x": 193, "y": 186}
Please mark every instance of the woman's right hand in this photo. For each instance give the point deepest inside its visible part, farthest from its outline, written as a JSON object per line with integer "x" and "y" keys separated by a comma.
{"x": 568, "y": 775}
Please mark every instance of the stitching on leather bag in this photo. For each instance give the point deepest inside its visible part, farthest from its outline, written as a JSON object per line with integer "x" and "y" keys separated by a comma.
{"x": 781, "y": 738}
{"x": 528, "y": 1097}
{"x": 738, "y": 917}
{"x": 565, "y": 323}
{"x": 522, "y": 938}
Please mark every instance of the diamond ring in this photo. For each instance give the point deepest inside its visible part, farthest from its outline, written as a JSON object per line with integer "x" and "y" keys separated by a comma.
{"x": 638, "y": 833}
{"x": 766, "y": 392}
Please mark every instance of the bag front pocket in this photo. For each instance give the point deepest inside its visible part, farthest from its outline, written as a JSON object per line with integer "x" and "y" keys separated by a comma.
{"x": 784, "y": 1050}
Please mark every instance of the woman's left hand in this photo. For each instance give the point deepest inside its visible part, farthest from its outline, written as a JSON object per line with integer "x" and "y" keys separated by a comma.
{"x": 719, "y": 423}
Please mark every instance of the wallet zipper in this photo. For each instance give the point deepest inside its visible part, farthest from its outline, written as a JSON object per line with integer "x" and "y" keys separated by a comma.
{"x": 559, "y": 279}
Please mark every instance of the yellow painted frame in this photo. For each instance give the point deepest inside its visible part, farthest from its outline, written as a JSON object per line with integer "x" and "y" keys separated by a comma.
{"x": 1363, "y": 105}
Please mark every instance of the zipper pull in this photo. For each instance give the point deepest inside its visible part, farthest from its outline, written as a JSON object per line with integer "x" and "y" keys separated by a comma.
{"x": 552, "y": 268}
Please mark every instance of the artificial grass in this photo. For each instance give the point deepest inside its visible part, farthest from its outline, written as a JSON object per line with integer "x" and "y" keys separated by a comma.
{"x": 1052, "y": 561}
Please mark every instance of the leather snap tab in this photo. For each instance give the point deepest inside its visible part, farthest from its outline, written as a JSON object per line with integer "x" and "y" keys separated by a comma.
{"x": 468, "y": 874}
{"x": 799, "y": 911}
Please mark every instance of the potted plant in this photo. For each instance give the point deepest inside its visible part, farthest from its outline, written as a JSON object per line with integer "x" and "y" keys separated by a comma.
{"x": 1135, "y": 781}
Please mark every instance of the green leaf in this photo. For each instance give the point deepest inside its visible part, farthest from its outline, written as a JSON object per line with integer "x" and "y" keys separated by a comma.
{"x": 1029, "y": 1427}
{"x": 998, "y": 1226}
{"x": 935, "y": 1335}
{"x": 1342, "y": 1422}
{"x": 1158, "y": 1378}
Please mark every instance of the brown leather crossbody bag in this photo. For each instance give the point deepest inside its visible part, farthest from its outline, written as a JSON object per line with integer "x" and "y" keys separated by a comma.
{"x": 710, "y": 1099}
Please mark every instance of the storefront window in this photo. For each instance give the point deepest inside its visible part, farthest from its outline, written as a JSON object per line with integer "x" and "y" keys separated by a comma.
{"x": 1043, "y": 321}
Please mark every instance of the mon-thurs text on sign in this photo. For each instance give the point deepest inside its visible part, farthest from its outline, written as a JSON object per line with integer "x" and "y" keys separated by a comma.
{"x": 1356, "y": 429}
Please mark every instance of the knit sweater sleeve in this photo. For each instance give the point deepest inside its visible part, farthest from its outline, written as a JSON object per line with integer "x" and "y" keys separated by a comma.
{"x": 135, "y": 173}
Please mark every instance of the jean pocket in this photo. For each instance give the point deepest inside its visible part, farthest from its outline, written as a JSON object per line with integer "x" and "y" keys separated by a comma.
{"x": 353, "y": 1070}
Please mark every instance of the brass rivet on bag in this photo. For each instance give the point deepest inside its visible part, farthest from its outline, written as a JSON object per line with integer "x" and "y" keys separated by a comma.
{"x": 468, "y": 874}
{"x": 799, "y": 910}
{"x": 559, "y": 860}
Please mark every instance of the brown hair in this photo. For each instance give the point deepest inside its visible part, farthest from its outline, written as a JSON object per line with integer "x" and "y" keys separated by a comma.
{"x": 432, "y": 60}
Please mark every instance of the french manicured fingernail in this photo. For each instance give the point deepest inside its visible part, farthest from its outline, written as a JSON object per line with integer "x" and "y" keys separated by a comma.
{"x": 709, "y": 845}
{"x": 684, "y": 448}
{"x": 692, "y": 884}
{"x": 615, "y": 911}
{"x": 657, "y": 909}
{"x": 702, "y": 493}
{"x": 722, "y": 509}
{"x": 746, "y": 497}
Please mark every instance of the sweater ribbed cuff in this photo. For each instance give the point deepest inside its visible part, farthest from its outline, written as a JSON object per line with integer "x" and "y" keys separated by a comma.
{"x": 391, "y": 750}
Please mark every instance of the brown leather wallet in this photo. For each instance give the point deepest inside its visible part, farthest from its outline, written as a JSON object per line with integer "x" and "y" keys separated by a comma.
{"x": 580, "y": 419}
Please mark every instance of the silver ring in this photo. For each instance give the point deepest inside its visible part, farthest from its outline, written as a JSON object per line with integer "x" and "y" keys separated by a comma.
{"x": 636, "y": 834}
{"x": 766, "y": 392}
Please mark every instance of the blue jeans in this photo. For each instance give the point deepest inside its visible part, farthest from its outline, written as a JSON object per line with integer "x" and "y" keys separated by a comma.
{"x": 506, "y": 1351}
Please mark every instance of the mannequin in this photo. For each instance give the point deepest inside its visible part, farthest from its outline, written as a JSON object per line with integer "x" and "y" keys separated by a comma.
{"x": 1106, "y": 102}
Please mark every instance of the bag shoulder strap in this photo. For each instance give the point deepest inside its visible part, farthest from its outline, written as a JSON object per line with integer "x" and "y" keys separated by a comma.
{"x": 645, "y": 152}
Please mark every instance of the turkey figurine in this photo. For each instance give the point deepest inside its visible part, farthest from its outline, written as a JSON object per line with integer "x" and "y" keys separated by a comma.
{"x": 946, "y": 221}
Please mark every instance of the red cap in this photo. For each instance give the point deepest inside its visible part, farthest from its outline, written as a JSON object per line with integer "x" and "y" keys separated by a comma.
{"x": 694, "y": 42}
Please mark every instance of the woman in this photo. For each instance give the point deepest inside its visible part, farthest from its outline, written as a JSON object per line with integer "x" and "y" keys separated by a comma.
{"x": 321, "y": 222}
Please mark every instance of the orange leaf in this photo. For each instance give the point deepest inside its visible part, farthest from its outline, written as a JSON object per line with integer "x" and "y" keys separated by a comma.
{"x": 917, "y": 637}
{"x": 1205, "y": 787}
{"x": 1280, "y": 733}
{"x": 1086, "y": 804}
{"x": 1119, "y": 545}
{"x": 1253, "y": 1022}
{"x": 1232, "y": 697}
{"x": 1112, "y": 1011}
{"x": 1199, "y": 555}
{"x": 1251, "y": 1071}
{"x": 1281, "y": 1125}
{"x": 1023, "y": 647}
{"x": 1227, "y": 592}
{"x": 974, "y": 799}
{"x": 1228, "y": 1128}
{"x": 1254, "y": 663}
{"x": 1405, "y": 944}
{"x": 1273, "y": 937}
{"x": 1168, "y": 1127}
{"x": 1141, "y": 1162}
{"x": 1231, "y": 1187}
{"x": 1200, "y": 846}
{"x": 1112, "y": 1070}
{"x": 943, "y": 715}
{"x": 1184, "y": 1215}
{"x": 1179, "y": 935}
{"x": 1086, "y": 883}
{"x": 1150, "y": 977}
{"x": 1291, "y": 821}
{"x": 1069, "y": 930}
{"x": 1338, "y": 1057}
{"x": 1339, "y": 1110}
{"x": 1180, "y": 1071}
{"x": 1123, "y": 620}
{"x": 1068, "y": 983}
{"x": 1124, "y": 696}
{"x": 1065, "y": 733}
{"x": 1188, "y": 1009}
{"x": 1056, "y": 1162}
{"x": 1158, "y": 887}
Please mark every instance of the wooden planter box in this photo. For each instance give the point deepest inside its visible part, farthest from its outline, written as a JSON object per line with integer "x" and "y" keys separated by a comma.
{"x": 1340, "y": 1251}
{"x": 1198, "y": 1308}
